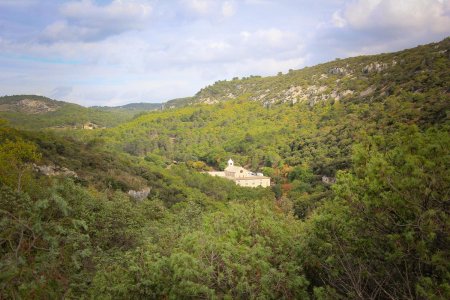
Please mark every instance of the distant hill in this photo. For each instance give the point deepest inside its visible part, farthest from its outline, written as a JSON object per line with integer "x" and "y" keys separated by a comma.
{"x": 132, "y": 107}
{"x": 357, "y": 77}
{"x": 141, "y": 106}
{"x": 180, "y": 102}
{"x": 31, "y": 104}
{"x": 309, "y": 117}
{"x": 357, "y": 151}
{"x": 38, "y": 112}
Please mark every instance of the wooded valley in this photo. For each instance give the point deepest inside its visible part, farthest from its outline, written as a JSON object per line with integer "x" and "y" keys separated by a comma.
{"x": 377, "y": 126}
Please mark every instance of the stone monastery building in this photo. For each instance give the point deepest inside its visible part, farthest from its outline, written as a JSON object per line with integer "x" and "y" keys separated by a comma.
{"x": 242, "y": 176}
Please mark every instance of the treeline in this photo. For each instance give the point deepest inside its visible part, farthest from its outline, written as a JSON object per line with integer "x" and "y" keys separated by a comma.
{"x": 382, "y": 232}
{"x": 65, "y": 115}
{"x": 411, "y": 69}
{"x": 295, "y": 145}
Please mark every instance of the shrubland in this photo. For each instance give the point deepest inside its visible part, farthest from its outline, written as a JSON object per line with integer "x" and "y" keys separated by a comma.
{"x": 381, "y": 231}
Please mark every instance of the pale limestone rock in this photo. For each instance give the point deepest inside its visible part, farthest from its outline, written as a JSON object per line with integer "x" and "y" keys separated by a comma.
{"x": 139, "y": 195}
{"x": 53, "y": 170}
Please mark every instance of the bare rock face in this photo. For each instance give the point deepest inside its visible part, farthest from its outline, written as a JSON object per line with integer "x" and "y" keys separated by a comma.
{"x": 328, "y": 180}
{"x": 35, "y": 106}
{"x": 375, "y": 67}
{"x": 139, "y": 195}
{"x": 90, "y": 126}
{"x": 313, "y": 94}
{"x": 209, "y": 100}
{"x": 52, "y": 170}
{"x": 367, "y": 91}
{"x": 338, "y": 71}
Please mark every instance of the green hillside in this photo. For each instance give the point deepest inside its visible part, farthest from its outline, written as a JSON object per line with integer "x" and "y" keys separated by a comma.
{"x": 134, "y": 107}
{"x": 369, "y": 77}
{"x": 279, "y": 129}
{"x": 37, "y": 112}
{"x": 357, "y": 150}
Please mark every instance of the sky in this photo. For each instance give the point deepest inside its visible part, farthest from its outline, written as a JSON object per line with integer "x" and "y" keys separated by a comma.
{"x": 113, "y": 52}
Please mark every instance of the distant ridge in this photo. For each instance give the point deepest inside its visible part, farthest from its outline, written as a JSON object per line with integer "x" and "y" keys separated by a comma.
{"x": 362, "y": 78}
{"x": 141, "y": 106}
{"x": 38, "y": 112}
{"x": 335, "y": 80}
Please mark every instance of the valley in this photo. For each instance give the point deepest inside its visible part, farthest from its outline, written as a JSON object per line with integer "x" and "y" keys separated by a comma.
{"x": 356, "y": 149}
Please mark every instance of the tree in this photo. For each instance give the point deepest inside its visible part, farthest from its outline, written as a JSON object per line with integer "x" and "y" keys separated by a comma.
{"x": 386, "y": 233}
{"x": 16, "y": 158}
{"x": 240, "y": 252}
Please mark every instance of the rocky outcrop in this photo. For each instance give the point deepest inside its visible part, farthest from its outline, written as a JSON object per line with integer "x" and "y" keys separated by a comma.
{"x": 342, "y": 78}
{"x": 53, "y": 170}
{"x": 338, "y": 71}
{"x": 209, "y": 100}
{"x": 91, "y": 126}
{"x": 328, "y": 180}
{"x": 313, "y": 94}
{"x": 374, "y": 67}
{"x": 367, "y": 91}
{"x": 29, "y": 106}
{"x": 35, "y": 106}
{"x": 139, "y": 195}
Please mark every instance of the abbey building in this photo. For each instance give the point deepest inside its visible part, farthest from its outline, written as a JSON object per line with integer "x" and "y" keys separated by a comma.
{"x": 242, "y": 176}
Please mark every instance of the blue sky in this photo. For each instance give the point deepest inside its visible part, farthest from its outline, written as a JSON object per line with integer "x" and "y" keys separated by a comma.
{"x": 112, "y": 52}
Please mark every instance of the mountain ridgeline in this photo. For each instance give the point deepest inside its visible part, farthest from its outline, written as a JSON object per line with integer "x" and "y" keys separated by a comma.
{"x": 357, "y": 150}
{"x": 37, "y": 112}
{"x": 373, "y": 77}
{"x": 309, "y": 117}
{"x": 139, "y": 107}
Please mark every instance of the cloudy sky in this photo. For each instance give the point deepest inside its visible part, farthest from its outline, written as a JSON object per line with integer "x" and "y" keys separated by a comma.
{"x": 112, "y": 52}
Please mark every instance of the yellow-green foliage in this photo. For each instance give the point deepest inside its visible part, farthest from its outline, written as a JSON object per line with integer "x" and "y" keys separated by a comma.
{"x": 66, "y": 115}
{"x": 16, "y": 159}
{"x": 380, "y": 232}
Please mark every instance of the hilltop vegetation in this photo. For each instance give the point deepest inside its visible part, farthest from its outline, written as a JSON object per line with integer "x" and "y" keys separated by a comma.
{"x": 380, "y": 232}
{"x": 37, "y": 112}
{"x": 386, "y": 222}
{"x": 289, "y": 139}
{"x": 368, "y": 77}
{"x": 132, "y": 106}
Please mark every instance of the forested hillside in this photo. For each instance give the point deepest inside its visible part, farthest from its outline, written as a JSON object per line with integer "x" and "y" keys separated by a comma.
{"x": 37, "y": 112}
{"x": 292, "y": 136}
{"x": 358, "y": 153}
{"x": 131, "y": 108}
{"x": 368, "y": 77}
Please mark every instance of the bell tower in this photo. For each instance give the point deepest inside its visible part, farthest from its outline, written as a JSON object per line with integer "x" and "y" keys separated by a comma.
{"x": 230, "y": 162}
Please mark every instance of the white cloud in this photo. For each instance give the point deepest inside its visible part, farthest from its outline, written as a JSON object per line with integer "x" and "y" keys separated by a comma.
{"x": 127, "y": 67}
{"x": 199, "y": 6}
{"x": 17, "y": 3}
{"x": 154, "y": 50}
{"x": 257, "y": 2}
{"x": 337, "y": 20}
{"x": 403, "y": 15}
{"x": 228, "y": 9}
{"x": 87, "y": 12}
{"x": 273, "y": 37}
{"x": 61, "y": 92}
{"x": 210, "y": 8}
{"x": 84, "y": 20}
{"x": 62, "y": 31}
{"x": 265, "y": 66}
